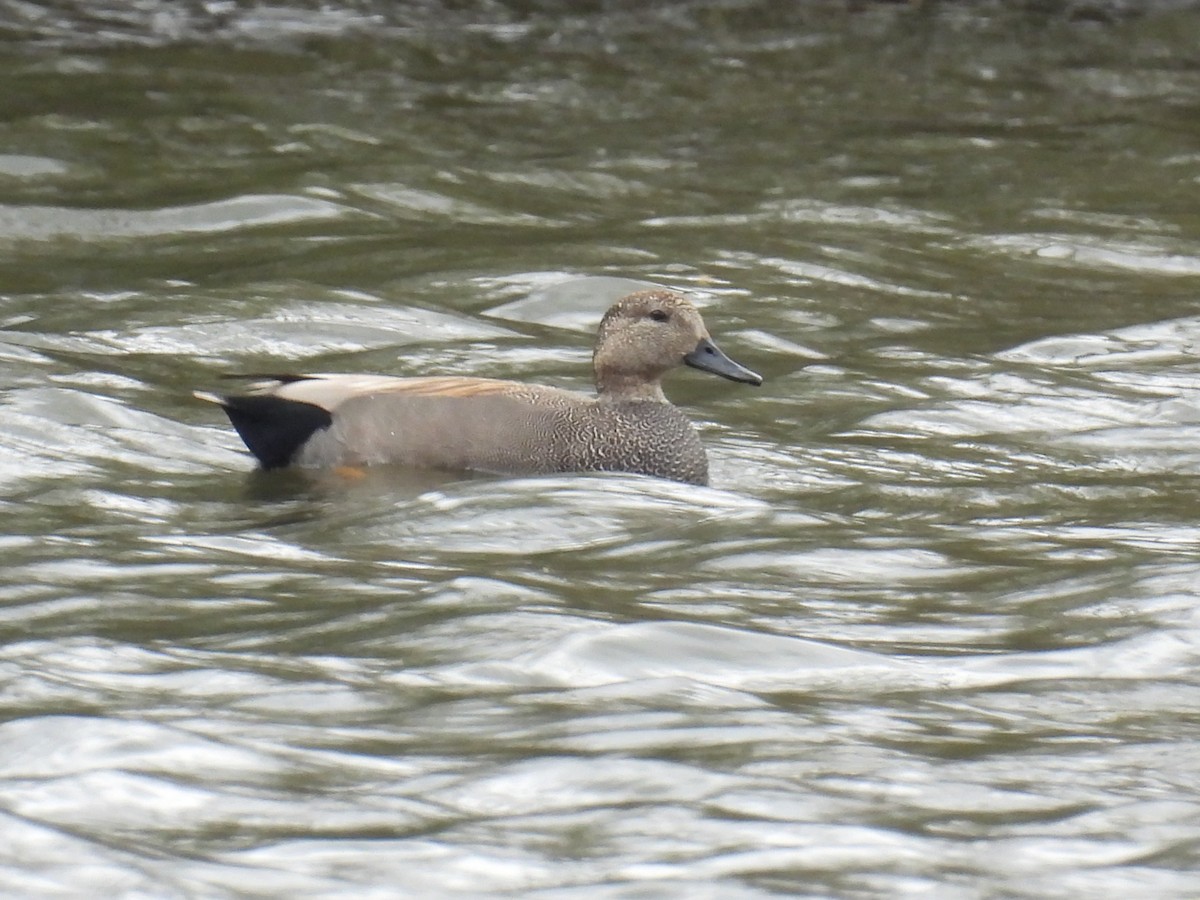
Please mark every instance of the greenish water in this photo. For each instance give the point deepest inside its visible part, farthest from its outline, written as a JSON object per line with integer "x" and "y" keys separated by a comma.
{"x": 933, "y": 629}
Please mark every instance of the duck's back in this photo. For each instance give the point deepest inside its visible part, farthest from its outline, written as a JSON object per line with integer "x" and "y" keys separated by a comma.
{"x": 498, "y": 426}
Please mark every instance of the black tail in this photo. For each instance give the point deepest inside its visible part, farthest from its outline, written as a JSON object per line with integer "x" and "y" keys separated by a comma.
{"x": 274, "y": 428}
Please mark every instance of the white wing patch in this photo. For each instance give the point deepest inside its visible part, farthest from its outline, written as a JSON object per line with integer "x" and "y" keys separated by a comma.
{"x": 330, "y": 391}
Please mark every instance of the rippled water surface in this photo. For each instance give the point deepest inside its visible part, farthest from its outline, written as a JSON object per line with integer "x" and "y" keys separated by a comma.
{"x": 932, "y": 631}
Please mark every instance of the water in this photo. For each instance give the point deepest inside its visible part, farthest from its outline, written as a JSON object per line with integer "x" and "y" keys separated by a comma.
{"x": 933, "y": 629}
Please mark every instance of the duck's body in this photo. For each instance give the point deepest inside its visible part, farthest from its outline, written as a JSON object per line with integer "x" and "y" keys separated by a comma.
{"x": 498, "y": 426}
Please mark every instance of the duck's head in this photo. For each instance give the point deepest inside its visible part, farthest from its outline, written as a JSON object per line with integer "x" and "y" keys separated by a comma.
{"x": 645, "y": 335}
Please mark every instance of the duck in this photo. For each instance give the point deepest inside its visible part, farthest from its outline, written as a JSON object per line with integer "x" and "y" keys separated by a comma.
{"x": 496, "y": 426}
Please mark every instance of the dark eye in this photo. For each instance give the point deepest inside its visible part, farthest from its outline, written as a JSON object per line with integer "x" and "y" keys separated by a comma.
{"x": 659, "y": 315}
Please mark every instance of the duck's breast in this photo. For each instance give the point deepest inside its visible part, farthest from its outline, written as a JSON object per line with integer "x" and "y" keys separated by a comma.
{"x": 650, "y": 438}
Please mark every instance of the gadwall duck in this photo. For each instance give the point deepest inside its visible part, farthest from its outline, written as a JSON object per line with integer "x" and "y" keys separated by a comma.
{"x": 503, "y": 427}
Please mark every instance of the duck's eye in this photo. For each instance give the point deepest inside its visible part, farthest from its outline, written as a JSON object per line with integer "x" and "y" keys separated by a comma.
{"x": 659, "y": 315}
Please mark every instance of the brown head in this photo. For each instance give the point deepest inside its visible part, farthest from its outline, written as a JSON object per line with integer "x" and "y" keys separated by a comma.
{"x": 645, "y": 335}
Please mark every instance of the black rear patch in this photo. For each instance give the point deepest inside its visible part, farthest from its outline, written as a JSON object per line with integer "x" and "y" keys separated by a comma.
{"x": 274, "y": 428}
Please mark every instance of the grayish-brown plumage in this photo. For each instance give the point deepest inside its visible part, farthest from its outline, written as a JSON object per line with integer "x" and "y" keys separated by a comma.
{"x": 505, "y": 427}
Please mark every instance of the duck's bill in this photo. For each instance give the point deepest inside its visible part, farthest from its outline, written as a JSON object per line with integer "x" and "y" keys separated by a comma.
{"x": 708, "y": 357}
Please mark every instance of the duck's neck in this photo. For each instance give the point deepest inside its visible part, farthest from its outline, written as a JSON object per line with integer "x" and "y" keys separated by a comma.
{"x": 612, "y": 388}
